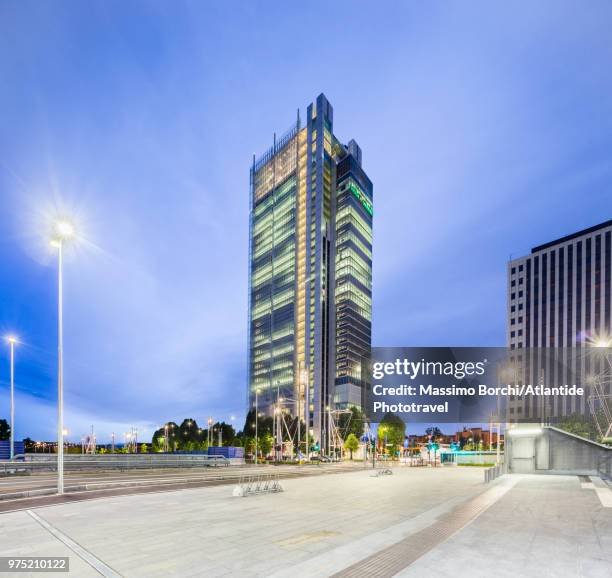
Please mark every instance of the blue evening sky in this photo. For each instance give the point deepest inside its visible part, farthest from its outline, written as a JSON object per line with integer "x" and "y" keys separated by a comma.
{"x": 485, "y": 127}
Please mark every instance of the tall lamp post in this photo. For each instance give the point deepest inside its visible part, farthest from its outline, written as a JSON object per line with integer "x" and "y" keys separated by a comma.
{"x": 12, "y": 340}
{"x": 63, "y": 232}
{"x": 256, "y": 417}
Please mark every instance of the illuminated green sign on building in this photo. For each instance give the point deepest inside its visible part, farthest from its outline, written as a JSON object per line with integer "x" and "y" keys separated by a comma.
{"x": 362, "y": 199}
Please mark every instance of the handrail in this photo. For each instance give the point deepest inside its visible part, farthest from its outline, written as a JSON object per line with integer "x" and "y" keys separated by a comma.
{"x": 117, "y": 461}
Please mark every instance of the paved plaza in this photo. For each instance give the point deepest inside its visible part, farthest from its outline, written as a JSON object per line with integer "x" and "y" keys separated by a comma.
{"x": 416, "y": 522}
{"x": 545, "y": 526}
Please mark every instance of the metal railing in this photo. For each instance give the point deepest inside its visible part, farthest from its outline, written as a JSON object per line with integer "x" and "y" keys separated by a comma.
{"x": 111, "y": 462}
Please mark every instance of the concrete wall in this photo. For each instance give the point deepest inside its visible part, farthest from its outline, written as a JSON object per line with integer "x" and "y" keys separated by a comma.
{"x": 558, "y": 452}
{"x": 570, "y": 454}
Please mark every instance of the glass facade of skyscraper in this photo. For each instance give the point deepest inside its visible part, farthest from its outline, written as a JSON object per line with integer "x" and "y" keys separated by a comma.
{"x": 310, "y": 272}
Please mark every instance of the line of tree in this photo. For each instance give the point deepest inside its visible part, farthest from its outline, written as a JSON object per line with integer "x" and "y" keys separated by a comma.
{"x": 189, "y": 436}
{"x": 350, "y": 423}
{"x": 391, "y": 432}
{"x": 583, "y": 425}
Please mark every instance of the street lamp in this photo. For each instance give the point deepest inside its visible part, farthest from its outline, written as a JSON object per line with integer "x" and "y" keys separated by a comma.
{"x": 63, "y": 232}
{"x": 12, "y": 340}
{"x": 256, "y": 417}
{"x": 597, "y": 395}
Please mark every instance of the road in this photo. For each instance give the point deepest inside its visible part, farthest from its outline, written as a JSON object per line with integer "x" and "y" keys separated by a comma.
{"x": 89, "y": 485}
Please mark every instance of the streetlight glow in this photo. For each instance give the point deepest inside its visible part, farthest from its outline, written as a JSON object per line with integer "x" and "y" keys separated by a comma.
{"x": 64, "y": 230}
{"x": 600, "y": 340}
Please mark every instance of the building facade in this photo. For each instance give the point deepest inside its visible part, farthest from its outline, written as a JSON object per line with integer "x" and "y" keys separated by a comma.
{"x": 559, "y": 296}
{"x": 310, "y": 294}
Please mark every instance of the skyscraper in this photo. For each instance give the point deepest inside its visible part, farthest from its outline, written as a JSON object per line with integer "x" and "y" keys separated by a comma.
{"x": 310, "y": 295}
{"x": 560, "y": 296}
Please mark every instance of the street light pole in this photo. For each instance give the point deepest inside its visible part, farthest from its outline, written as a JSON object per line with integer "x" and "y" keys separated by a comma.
{"x": 60, "y": 374}
{"x": 63, "y": 232}
{"x": 279, "y": 432}
{"x": 329, "y": 430}
{"x": 256, "y": 418}
{"x": 299, "y": 425}
{"x": 497, "y": 448}
{"x": 307, "y": 410}
{"x": 12, "y": 341}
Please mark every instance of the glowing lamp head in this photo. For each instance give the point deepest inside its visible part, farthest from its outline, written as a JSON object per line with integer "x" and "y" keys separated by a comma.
{"x": 63, "y": 230}
{"x": 603, "y": 343}
{"x": 12, "y": 339}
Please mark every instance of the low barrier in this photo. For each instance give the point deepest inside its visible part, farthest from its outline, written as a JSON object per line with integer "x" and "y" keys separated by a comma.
{"x": 463, "y": 457}
{"x": 252, "y": 485}
{"x": 37, "y": 463}
{"x": 494, "y": 472}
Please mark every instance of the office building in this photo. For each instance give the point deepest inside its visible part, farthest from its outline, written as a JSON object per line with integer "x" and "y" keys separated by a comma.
{"x": 310, "y": 272}
{"x": 560, "y": 296}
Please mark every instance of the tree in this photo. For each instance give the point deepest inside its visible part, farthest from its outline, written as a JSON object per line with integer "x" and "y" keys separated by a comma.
{"x": 391, "y": 430}
{"x": 264, "y": 424}
{"x": 227, "y": 433}
{"x": 184, "y": 437}
{"x": 351, "y": 423}
{"x": 579, "y": 425}
{"x": 5, "y": 430}
{"x": 265, "y": 444}
{"x": 248, "y": 443}
{"x": 434, "y": 432}
{"x": 28, "y": 445}
{"x": 188, "y": 434}
{"x": 172, "y": 430}
{"x": 351, "y": 444}
{"x": 158, "y": 442}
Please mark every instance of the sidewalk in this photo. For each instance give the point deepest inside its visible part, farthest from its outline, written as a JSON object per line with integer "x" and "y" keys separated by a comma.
{"x": 418, "y": 523}
{"x": 544, "y": 526}
{"x": 208, "y": 532}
